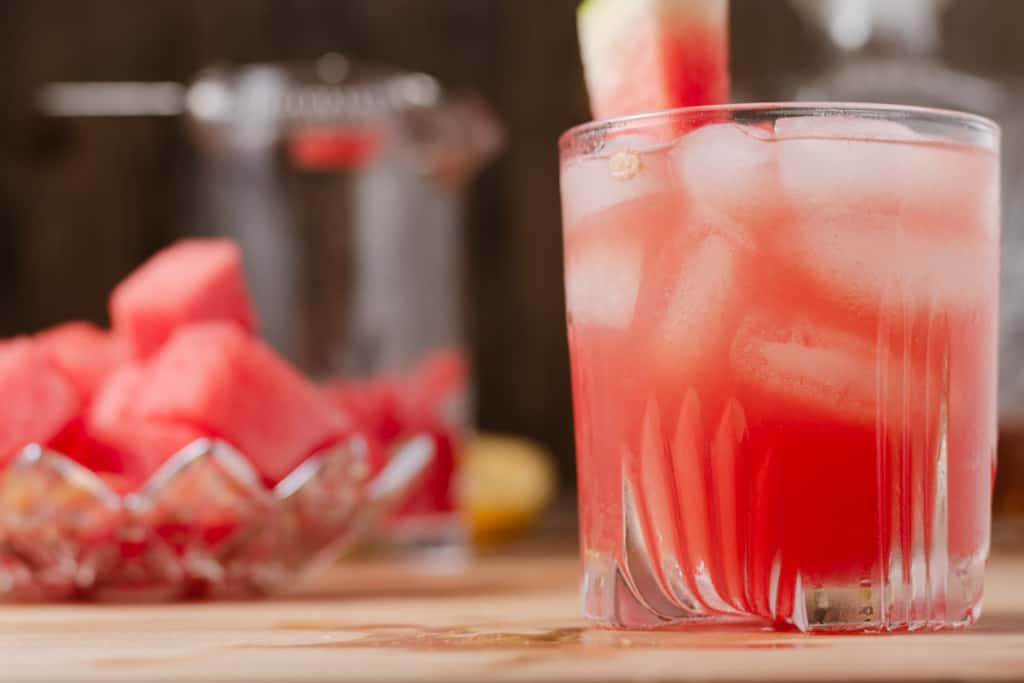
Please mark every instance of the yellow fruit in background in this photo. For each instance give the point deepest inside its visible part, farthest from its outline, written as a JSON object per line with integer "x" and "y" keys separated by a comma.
{"x": 506, "y": 482}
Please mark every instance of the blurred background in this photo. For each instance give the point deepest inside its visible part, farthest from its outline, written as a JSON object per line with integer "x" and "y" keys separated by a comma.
{"x": 84, "y": 199}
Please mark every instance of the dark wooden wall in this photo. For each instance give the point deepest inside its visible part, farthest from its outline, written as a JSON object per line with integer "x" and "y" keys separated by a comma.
{"x": 81, "y": 202}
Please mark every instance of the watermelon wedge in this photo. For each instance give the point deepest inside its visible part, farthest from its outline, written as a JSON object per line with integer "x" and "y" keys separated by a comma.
{"x": 650, "y": 55}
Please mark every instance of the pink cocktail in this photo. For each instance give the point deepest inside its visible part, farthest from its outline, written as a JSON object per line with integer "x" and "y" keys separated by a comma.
{"x": 782, "y": 323}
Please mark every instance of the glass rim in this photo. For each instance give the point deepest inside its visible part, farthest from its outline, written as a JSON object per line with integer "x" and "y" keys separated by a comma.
{"x": 892, "y": 112}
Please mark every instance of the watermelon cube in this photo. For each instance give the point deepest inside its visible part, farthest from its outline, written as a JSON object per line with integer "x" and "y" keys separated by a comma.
{"x": 83, "y": 352}
{"x": 436, "y": 388}
{"x": 434, "y": 401}
{"x": 218, "y": 379}
{"x": 38, "y": 401}
{"x": 427, "y": 400}
{"x": 113, "y": 425}
{"x": 190, "y": 281}
{"x": 373, "y": 404}
{"x": 435, "y": 492}
{"x": 77, "y": 442}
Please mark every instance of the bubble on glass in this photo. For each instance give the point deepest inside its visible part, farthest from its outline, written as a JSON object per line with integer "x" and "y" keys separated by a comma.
{"x": 624, "y": 165}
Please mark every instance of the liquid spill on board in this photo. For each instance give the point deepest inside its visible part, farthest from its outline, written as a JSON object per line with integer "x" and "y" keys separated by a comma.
{"x": 525, "y": 647}
{"x": 459, "y": 639}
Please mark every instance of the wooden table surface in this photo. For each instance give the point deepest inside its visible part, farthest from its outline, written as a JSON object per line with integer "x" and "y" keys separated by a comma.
{"x": 510, "y": 617}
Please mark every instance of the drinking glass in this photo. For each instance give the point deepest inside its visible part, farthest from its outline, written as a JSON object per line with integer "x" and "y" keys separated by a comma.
{"x": 782, "y": 326}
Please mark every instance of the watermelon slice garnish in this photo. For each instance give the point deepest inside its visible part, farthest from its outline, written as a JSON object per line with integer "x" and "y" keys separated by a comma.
{"x": 649, "y": 55}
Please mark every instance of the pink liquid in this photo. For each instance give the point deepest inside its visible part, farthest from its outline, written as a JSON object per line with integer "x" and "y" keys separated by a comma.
{"x": 783, "y": 355}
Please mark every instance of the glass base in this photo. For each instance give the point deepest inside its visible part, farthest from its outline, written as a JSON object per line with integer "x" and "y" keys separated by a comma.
{"x": 630, "y": 595}
{"x": 438, "y": 542}
{"x": 608, "y": 595}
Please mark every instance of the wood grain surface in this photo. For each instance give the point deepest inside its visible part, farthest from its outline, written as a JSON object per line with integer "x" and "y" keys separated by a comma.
{"x": 507, "y": 618}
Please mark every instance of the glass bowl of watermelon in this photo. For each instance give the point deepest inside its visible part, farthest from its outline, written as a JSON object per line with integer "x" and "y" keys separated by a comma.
{"x": 177, "y": 455}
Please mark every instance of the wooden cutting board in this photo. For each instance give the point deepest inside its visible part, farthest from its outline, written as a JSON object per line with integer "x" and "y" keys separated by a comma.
{"x": 508, "y": 618}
